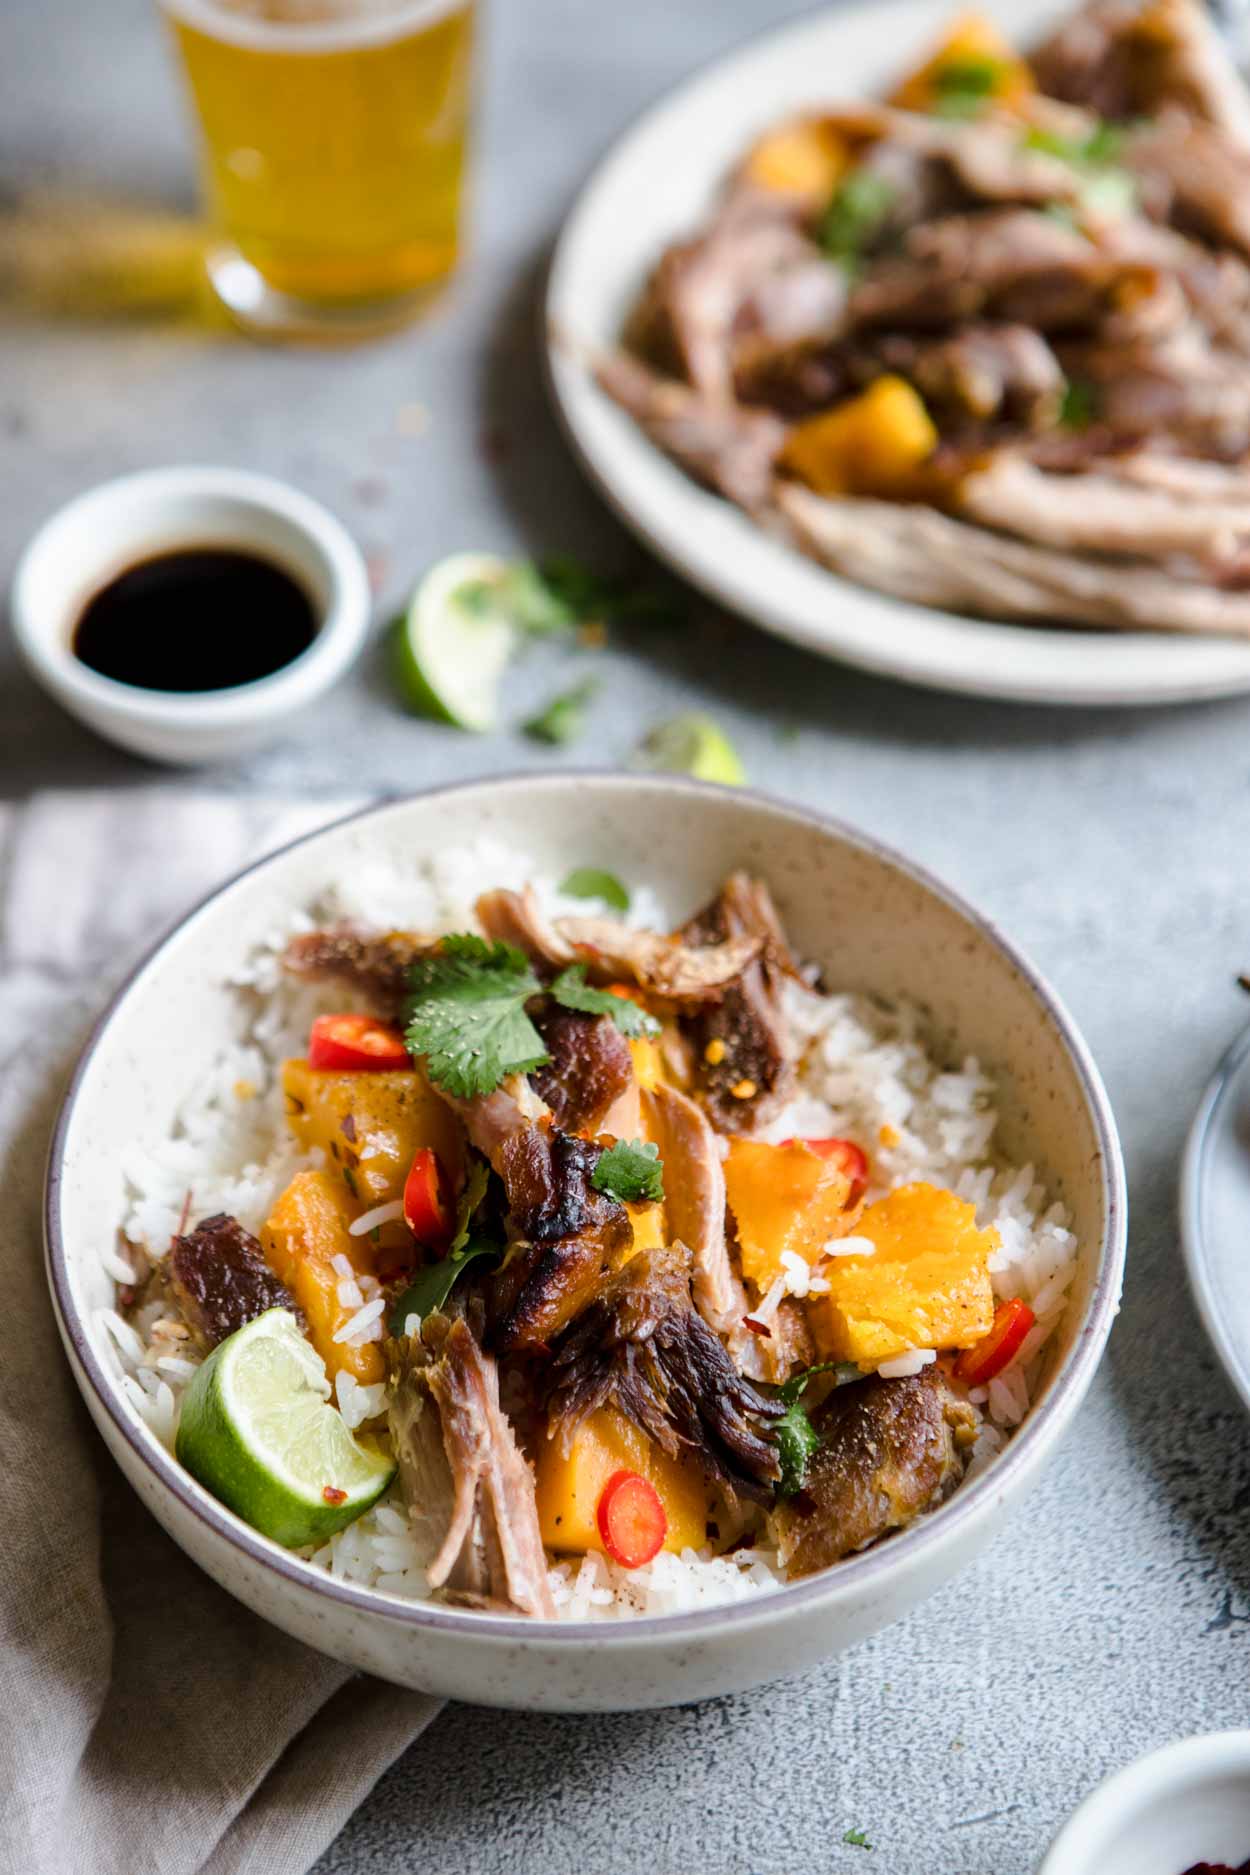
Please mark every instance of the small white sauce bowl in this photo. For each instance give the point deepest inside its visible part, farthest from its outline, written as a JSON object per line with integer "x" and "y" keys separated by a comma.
{"x": 98, "y": 535}
{"x": 1188, "y": 1803}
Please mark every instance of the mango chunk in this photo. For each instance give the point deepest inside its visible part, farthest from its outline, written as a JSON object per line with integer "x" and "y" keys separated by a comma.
{"x": 649, "y": 1225}
{"x": 806, "y": 159}
{"x": 927, "y": 1285}
{"x": 783, "y": 1198}
{"x": 306, "y": 1230}
{"x": 972, "y": 59}
{"x": 568, "y": 1489}
{"x": 872, "y": 444}
{"x": 371, "y": 1124}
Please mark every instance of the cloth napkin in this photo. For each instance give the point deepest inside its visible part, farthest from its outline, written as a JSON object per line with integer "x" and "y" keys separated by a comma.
{"x": 148, "y": 1722}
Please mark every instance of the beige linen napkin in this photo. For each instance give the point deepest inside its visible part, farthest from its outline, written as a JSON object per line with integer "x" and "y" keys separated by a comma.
{"x": 148, "y": 1722}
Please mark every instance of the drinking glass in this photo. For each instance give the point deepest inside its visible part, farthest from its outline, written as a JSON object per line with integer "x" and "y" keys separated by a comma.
{"x": 333, "y": 138}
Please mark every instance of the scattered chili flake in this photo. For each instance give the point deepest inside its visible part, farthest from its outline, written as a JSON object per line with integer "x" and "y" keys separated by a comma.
{"x": 714, "y": 1053}
{"x": 332, "y": 1494}
{"x": 744, "y": 1090}
{"x": 347, "y": 1127}
{"x": 757, "y": 1327}
{"x": 889, "y": 1136}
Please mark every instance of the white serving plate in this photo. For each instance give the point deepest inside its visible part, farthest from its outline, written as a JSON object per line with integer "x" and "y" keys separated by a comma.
{"x": 877, "y": 923}
{"x": 1215, "y": 1213}
{"x": 657, "y": 184}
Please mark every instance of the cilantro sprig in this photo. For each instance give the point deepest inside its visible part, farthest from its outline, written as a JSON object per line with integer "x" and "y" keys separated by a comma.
{"x": 858, "y": 1839}
{"x": 797, "y": 1439}
{"x": 963, "y": 86}
{"x": 856, "y": 216}
{"x": 631, "y": 1172}
{"x": 467, "y": 1015}
{"x": 572, "y": 991}
{"x": 563, "y": 719}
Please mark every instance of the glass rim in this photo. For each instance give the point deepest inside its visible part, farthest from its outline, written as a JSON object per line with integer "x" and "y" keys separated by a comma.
{"x": 323, "y": 35}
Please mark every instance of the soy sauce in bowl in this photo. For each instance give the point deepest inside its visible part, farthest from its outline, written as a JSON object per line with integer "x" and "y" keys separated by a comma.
{"x": 196, "y": 619}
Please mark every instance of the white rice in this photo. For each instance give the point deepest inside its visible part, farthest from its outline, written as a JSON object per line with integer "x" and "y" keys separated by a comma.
{"x": 865, "y": 1074}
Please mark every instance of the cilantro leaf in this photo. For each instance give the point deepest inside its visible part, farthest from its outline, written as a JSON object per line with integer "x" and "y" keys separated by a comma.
{"x": 857, "y": 1838}
{"x": 856, "y": 216}
{"x": 1079, "y": 406}
{"x": 564, "y": 718}
{"x": 426, "y": 1294}
{"x": 572, "y": 991}
{"x": 589, "y": 882}
{"x": 630, "y": 1172}
{"x": 961, "y": 87}
{"x": 467, "y": 1017}
{"x": 797, "y": 1439}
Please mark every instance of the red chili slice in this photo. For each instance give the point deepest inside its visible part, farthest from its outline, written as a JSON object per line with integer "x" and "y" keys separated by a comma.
{"x": 353, "y": 1043}
{"x": 848, "y": 1156}
{"x": 1012, "y": 1322}
{"x": 631, "y": 1520}
{"x": 428, "y": 1210}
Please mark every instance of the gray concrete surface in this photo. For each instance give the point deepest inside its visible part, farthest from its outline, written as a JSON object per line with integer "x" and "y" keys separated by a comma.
{"x": 1114, "y": 1613}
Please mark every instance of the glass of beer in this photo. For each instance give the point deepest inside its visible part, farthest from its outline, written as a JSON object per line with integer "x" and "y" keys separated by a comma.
{"x": 334, "y": 135}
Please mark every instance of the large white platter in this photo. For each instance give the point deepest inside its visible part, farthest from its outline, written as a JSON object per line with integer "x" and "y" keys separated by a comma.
{"x": 658, "y": 183}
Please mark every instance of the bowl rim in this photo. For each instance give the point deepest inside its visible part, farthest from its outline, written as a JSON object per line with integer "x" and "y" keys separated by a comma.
{"x": 855, "y": 1573}
{"x": 1179, "y": 1765}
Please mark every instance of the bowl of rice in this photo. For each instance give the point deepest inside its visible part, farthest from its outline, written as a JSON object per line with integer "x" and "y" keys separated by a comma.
{"x": 919, "y": 1031}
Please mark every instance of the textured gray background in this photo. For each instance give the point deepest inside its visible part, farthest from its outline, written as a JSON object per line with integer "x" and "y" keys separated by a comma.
{"x": 1114, "y": 1613}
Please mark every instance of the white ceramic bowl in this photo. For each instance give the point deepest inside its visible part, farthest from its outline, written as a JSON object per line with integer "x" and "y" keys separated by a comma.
{"x": 97, "y": 535}
{"x": 1189, "y": 1802}
{"x": 878, "y": 924}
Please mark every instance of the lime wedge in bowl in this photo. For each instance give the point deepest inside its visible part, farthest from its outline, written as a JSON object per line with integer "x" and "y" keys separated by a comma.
{"x": 258, "y": 1432}
{"x": 693, "y": 745}
{"x": 454, "y": 642}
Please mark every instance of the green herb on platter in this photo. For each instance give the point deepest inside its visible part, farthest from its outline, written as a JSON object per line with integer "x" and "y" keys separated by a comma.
{"x": 856, "y": 216}
{"x": 797, "y": 1439}
{"x": 857, "y": 1838}
{"x": 467, "y": 1015}
{"x": 431, "y": 1288}
{"x": 962, "y": 87}
{"x": 1080, "y": 404}
{"x": 630, "y": 1172}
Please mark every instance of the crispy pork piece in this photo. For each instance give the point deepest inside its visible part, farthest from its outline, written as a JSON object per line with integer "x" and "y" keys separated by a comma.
{"x": 219, "y": 1279}
{"x": 469, "y": 1491}
{"x": 918, "y": 554}
{"x": 1186, "y": 391}
{"x": 1010, "y": 264}
{"x": 890, "y": 1449}
{"x": 1124, "y": 60}
{"x": 564, "y": 1237}
{"x": 742, "y": 1047}
{"x": 1097, "y": 513}
{"x": 971, "y": 162}
{"x": 981, "y": 373}
{"x": 729, "y": 448}
{"x": 642, "y": 1347}
{"x": 1216, "y": 286}
{"x": 751, "y": 269}
{"x": 375, "y": 963}
{"x": 516, "y": 918}
{"x": 589, "y": 1069}
{"x": 1194, "y": 176}
{"x": 694, "y": 1198}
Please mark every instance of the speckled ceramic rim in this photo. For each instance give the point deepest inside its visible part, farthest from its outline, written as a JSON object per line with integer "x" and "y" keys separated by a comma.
{"x": 1221, "y": 1086}
{"x": 1046, "y": 1420}
{"x": 1146, "y": 1781}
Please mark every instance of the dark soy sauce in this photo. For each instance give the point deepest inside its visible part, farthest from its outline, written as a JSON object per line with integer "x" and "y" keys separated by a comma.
{"x": 197, "y": 618}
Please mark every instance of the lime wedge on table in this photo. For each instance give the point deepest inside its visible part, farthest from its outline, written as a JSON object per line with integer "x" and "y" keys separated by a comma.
{"x": 453, "y": 643}
{"x": 257, "y": 1432}
{"x": 693, "y": 745}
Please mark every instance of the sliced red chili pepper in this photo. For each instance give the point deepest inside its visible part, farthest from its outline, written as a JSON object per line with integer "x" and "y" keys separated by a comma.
{"x": 631, "y": 1519}
{"x": 848, "y": 1156}
{"x": 353, "y": 1042}
{"x": 1012, "y": 1322}
{"x": 428, "y": 1209}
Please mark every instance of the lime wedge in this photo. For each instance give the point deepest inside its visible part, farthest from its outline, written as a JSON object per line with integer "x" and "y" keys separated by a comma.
{"x": 257, "y": 1432}
{"x": 453, "y": 643}
{"x": 693, "y": 745}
